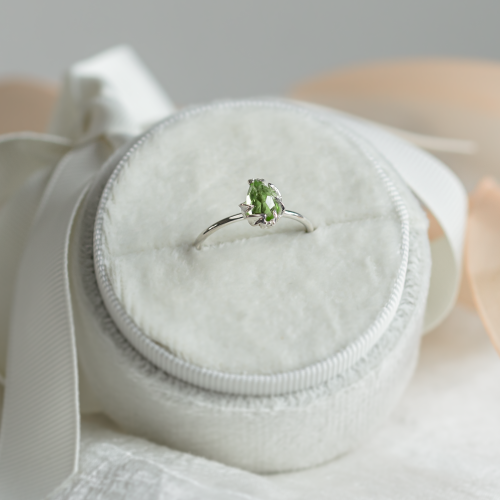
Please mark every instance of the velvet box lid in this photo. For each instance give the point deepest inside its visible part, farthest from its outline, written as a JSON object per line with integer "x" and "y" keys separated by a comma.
{"x": 261, "y": 336}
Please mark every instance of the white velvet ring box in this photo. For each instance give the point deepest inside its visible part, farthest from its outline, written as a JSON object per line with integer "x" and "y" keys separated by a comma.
{"x": 269, "y": 350}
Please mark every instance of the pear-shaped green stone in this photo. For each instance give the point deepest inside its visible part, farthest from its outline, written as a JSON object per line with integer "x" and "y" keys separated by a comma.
{"x": 263, "y": 198}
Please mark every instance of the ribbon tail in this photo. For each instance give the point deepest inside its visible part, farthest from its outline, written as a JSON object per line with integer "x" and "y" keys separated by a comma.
{"x": 482, "y": 261}
{"x": 39, "y": 437}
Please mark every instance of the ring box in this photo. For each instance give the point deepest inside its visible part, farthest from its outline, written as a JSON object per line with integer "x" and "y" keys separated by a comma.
{"x": 270, "y": 350}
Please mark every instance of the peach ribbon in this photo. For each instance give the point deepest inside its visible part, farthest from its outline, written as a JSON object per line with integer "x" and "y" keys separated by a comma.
{"x": 25, "y": 105}
{"x": 440, "y": 98}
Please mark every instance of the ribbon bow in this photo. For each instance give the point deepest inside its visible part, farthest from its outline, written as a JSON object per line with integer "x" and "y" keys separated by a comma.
{"x": 105, "y": 101}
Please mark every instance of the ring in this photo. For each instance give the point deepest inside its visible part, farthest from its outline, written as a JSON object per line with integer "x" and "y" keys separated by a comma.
{"x": 263, "y": 207}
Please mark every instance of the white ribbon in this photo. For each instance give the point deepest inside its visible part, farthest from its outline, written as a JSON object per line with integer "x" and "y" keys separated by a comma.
{"x": 105, "y": 101}
{"x": 440, "y": 190}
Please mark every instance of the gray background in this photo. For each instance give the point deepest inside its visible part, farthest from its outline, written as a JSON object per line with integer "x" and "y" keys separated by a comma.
{"x": 204, "y": 49}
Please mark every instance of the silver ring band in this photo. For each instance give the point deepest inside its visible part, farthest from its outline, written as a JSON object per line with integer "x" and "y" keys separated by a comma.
{"x": 238, "y": 217}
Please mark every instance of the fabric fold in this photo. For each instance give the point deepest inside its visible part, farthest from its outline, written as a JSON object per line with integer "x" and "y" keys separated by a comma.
{"x": 105, "y": 101}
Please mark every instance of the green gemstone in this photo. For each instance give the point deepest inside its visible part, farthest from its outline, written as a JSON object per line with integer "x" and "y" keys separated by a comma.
{"x": 263, "y": 198}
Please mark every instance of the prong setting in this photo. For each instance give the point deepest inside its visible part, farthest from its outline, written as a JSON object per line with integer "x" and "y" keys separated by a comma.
{"x": 272, "y": 186}
{"x": 245, "y": 208}
{"x": 261, "y": 219}
{"x": 268, "y": 206}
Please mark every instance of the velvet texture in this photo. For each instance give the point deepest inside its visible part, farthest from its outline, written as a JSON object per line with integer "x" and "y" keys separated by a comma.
{"x": 264, "y": 434}
{"x": 252, "y": 300}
